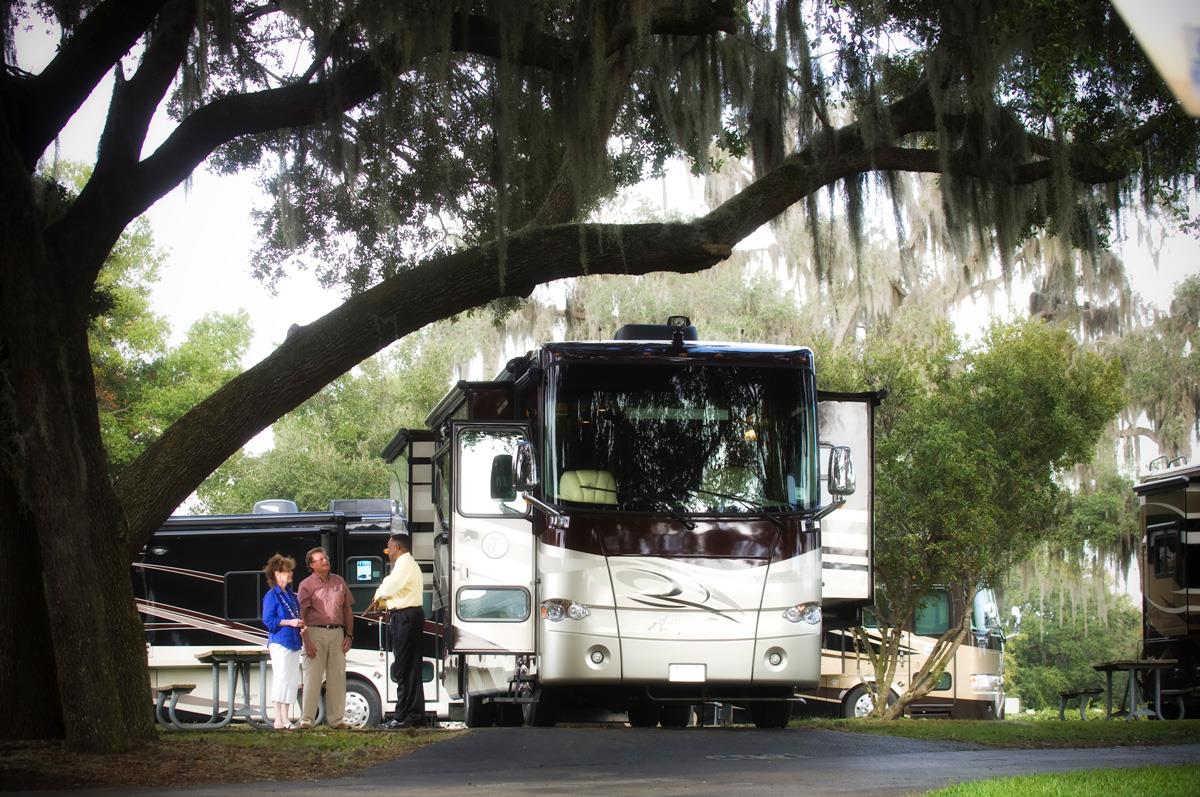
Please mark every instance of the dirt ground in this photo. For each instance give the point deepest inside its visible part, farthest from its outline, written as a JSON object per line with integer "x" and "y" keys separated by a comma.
{"x": 193, "y": 759}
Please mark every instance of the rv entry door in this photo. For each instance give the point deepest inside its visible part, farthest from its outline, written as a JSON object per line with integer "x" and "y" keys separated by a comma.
{"x": 491, "y": 543}
{"x": 847, "y": 534}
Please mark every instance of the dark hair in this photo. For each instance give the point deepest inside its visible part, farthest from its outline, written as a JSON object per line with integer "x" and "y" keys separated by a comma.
{"x": 403, "y": 540}
{"x": 308, "y": 556}
{"x": 275, "y": 564}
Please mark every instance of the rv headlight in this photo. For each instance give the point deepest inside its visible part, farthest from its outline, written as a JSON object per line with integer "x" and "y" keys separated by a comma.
{"x": 803, "y": 613}
{"x": 556, "y": 609}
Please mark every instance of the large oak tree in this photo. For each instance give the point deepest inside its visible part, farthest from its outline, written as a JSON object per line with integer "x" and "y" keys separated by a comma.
{"x": 377, "y": 119}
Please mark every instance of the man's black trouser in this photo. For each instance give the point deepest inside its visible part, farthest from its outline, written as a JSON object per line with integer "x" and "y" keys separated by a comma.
{"x": 406, "y": 626}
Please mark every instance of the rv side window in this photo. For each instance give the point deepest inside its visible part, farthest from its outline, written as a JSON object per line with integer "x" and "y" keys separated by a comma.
{"x": 243, "y": 595}
{"x": 933, "y": 615}
{"x": 441, "y": 496}
{"x": 493, "y": 604}
{"x": 1164, "y": 556}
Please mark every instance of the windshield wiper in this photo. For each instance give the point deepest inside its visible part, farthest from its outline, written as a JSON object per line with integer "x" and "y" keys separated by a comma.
{"x": 756, "y": 508}
{"x": 666, "y": 503}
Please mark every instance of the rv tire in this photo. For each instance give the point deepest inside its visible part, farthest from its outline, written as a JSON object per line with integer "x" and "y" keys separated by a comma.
{"x": 643, "y": 715}
{"x": 674, "y": 715}
{"x": 860, "y": 703}
{"x": 509, "y": 715}
{"x": 476, "y": 713}
{"x": 363, "y": 707}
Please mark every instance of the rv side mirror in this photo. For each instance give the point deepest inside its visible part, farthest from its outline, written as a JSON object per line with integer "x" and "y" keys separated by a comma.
{"x": 502, "y": 485}
{"x": 841, "y": 471}
{"x": 525, "y": 466}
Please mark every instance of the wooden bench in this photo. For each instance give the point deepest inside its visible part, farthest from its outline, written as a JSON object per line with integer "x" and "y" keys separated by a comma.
{"x": 1085, "y": 698}
{"x": 172, "y": 693}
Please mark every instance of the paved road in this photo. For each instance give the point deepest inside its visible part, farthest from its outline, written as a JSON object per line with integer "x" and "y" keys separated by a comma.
{"x": 499, "y": 762}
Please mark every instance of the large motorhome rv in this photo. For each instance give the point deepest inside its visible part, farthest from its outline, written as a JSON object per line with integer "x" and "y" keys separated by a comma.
{"x": 1169, "y": 495}
{"x": 199, "y": 586}
{"x": 636, "y": 526}
{"x": 972, "y": 686}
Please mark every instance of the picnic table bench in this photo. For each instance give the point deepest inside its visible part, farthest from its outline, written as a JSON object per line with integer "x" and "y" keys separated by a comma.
{"x": 1085, "y": 698}
{"x": 237, "y": 664}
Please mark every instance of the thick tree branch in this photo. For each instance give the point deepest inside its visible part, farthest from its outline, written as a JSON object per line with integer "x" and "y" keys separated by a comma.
{"x": 134, "y": 101}
{"x": 46, "y": 102}
{"x": 313, "y": 356}
{"x": 694, "y": 18}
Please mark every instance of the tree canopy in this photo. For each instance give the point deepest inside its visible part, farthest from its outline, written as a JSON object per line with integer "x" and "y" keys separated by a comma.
{"x": 438, "y": 156}
{"x": 970, "y": 445}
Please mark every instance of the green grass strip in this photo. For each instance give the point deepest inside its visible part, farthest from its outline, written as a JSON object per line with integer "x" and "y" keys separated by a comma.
{"x": 1024, "y": 733}
{"x": 1179, "y": 780}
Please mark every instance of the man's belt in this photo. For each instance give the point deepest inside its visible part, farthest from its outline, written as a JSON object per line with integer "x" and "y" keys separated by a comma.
{"x": 404, "y": 609}
{"x": 318, "y": 625}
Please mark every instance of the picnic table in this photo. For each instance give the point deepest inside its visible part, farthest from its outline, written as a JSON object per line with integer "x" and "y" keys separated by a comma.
{"x": 1133, "y": 700}
{"x": 237, "y": 665}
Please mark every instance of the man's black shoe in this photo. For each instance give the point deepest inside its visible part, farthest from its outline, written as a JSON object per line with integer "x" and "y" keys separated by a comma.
{"x": 395, "y": 725}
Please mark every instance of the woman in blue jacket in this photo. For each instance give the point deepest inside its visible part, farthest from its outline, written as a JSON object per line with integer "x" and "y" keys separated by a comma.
{"x": 281, "y": 616}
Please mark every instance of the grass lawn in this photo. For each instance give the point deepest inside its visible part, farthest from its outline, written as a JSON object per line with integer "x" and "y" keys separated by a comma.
{"x": 1024, "y": 733}
{"x": 231, "y": 755}
{"x": 1170, "y": 781}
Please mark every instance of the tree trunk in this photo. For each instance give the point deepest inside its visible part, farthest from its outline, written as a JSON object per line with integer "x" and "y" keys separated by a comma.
{"x": 58, "y": 508}
{"x": 26, "y": 655}
{"x": 64, "y": 493}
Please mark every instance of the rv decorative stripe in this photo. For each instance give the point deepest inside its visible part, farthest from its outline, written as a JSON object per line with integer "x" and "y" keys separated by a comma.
{"x": 202, "y": 622}
{"x": 180, "y": 571}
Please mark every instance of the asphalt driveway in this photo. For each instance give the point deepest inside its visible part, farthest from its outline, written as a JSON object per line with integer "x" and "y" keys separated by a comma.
{"x": 498, "y": 762}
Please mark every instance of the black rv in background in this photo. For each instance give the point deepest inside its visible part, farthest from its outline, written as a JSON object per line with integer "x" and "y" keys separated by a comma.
{"x": 1170, "y": 516}
{"x": 199, "y": 586}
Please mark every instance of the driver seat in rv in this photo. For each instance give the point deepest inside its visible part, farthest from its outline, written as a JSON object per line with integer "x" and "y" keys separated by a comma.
{"x": 588, "y": 487}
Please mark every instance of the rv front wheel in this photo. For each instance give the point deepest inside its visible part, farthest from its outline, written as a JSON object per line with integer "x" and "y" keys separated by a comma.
{"x": 860, "y": 702}
{"x": 363, "y": 709}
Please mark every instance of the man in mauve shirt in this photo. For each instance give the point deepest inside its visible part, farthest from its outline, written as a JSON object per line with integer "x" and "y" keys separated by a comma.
{"x": 327, "y": 608}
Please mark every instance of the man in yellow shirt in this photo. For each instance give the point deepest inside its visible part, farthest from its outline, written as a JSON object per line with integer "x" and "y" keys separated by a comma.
{"x": 401, "y": 595}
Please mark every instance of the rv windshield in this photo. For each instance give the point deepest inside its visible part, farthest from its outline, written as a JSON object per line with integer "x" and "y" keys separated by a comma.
{"x": 683, "y": 438}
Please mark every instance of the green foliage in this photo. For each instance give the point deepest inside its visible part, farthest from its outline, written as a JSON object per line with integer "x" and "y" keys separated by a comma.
{"x": 1023, "y": 733}
{"x": 969, "y": 443}
{"x": 968, "y": 449}
{"x": 143, "y": 384}
{"x": 1162, "y": 372}
{"x": 1178, "y": 780}
{"x": 727, "y": 302}
{"x": 329, "y": 447}
{"x": 1057, "y": 647}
